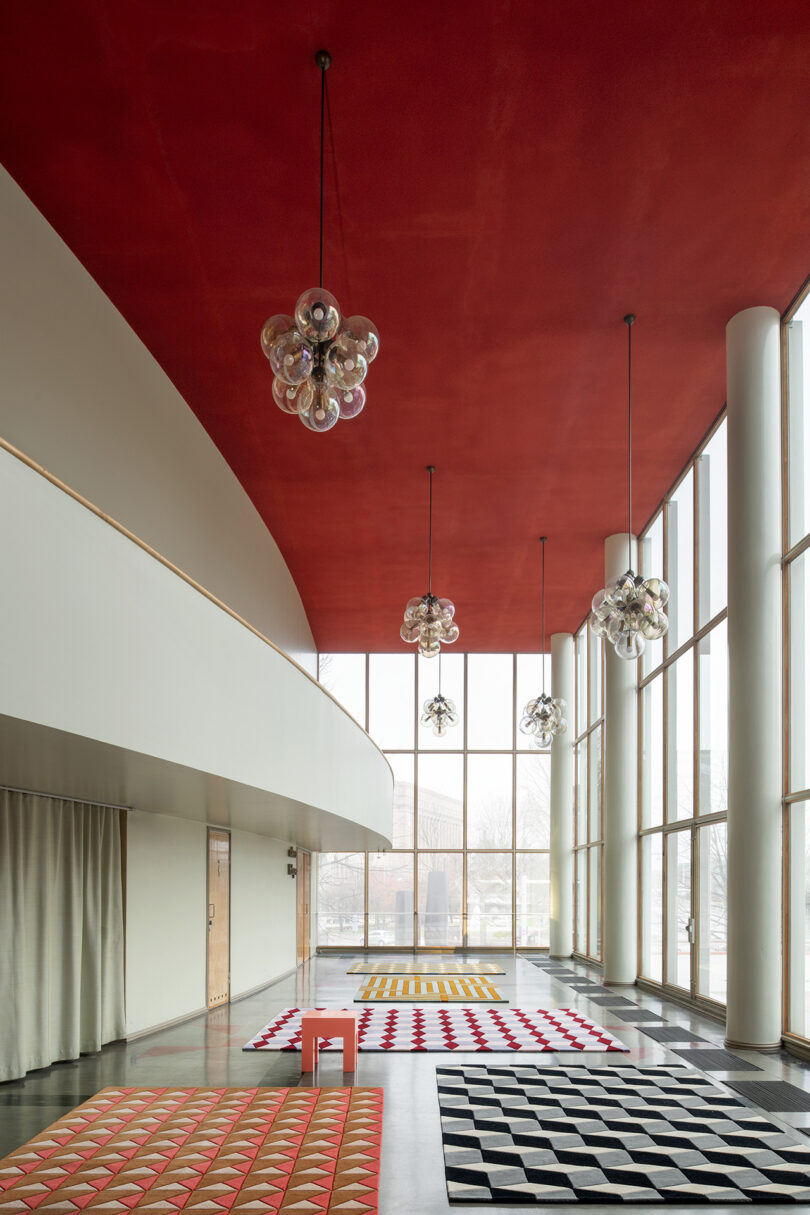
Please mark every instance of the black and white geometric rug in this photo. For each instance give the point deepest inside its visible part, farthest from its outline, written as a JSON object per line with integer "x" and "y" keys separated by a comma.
{"x": 610, "y": 1134}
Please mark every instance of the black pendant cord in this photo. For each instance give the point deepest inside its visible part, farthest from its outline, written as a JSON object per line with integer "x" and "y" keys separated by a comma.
{"x": 628, "y": 320}
{"x": 324, "y": 62}
{"x": 431, "y": 469}
{"x": 440, "y": 674}
{"x": 543, "y": 608}
{"x": 320, "y": 242}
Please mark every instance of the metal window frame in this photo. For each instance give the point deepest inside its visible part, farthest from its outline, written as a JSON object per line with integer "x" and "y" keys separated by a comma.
{"x": 464, "y": 851}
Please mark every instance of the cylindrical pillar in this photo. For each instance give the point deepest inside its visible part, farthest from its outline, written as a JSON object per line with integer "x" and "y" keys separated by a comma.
{"x": 620, "y": 775}
{"x": 755, "y": 660}
{"x": 561, "y": 885}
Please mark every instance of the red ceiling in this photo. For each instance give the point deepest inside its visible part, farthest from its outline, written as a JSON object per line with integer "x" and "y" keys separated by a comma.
{"x": 512, "y": 178}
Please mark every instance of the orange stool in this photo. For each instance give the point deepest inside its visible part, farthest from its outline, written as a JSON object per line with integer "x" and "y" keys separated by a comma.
{"x": 326, "y": 1024}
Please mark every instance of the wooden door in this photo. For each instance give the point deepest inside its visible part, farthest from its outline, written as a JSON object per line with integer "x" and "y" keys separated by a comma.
{"x": 219, "y": 917}
{"x": 302, "y": 895}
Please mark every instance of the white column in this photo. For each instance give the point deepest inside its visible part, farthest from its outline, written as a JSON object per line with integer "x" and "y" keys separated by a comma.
{"x": 755, "y": 662}
{"x": 561, "y": 892}
{"x": 620, "y": 775}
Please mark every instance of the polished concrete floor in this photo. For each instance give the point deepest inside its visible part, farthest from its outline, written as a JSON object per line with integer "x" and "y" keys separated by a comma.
{"x": 208, "y": 1051}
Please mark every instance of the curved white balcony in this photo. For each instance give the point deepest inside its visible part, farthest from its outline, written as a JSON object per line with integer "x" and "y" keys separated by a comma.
{"x": 123, "y": 682}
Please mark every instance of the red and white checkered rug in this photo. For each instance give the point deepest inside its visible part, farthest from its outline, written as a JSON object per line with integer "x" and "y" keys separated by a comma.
{"x": 451, "y": 1029}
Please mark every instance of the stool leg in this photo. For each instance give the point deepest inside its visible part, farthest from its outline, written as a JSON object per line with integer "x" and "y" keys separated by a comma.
{"x": 350, "y": 1050}
{"x": 309, "y": 1051}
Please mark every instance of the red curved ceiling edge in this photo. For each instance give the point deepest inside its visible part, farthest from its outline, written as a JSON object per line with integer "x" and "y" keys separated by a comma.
{"x": 503, "y": 183}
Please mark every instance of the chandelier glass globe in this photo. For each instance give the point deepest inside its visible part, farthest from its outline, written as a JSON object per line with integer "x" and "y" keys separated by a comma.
{"x": 629, "y": 612}
{"x": 544, "y": 719}
{"x": 429, "y": 622}
{"x": 440, "y": 712}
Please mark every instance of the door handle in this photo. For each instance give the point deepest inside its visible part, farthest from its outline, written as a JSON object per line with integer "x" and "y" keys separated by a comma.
{"x": 211, "y": 910}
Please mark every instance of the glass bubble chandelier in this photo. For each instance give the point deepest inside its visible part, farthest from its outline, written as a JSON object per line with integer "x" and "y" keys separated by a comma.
{"x": 320, "y": 358}
{"x": 429, "y": 621}
{"x": 544, "y": 716}
{"x": 630, "y": 610}
{"x": 439, "y": 712}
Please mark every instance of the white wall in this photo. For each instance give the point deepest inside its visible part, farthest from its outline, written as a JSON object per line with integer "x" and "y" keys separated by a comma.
{"x": 165, "y": 919}
{"x": 263, "y": 912}
{"x": 106, "y": 643}
{"x": 83, "y": 397}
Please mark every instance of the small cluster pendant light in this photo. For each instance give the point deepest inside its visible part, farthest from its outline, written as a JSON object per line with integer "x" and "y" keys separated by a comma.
{"x": 429, "y": 621}
{"x": 630, "y": 610}
{"x": 544, "y": 716}
{"x": 320, "y": 358}
{"x": 439, "y": 712}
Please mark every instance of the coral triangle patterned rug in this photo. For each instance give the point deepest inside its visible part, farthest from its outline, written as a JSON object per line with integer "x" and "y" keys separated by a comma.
{"x": 449, "y": 1029}
{"x": 413, "y": 989}
{"x": 211, "y": 1150}
{"x": 425, "y": 967}
{"x": 610, "y": 1134}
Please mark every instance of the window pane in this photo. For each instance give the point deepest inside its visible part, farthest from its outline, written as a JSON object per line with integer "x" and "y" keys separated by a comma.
{"x": 489, "y": 702}
{"x": 390, "y": 898}
{"x": 440, "y": 899}
{"x": 712, "y": 527}
{"x": 581, "y": 645}
{"x": 489, "y": 801}
{"x": 403, "y": 800}
{"x": 799, "y": 672}
{"x": 581, "y": 933}
{"x": 797, "y": 336}
{"x": 489, "y": 898}
{"x": 652, "y": 753}
{"x": 596, "y": 651}
{"x": 680, "y": 569}
{"x": 712, "y": 911}
{"x": 798, "y": 1020}
{"x": 341, "y": 882}
{"x": 452, "y": 671}
{"x": 441, "y": 798}
{"x": 595, "y": 901}
{"x": 652, "y": 907}
{"x": 679, "y": 908}
{"x": 533, "y": 801}
{"x": 391, "y": 700}
{"x": 680, "y": 738}
{"x": 651, "y": 561}
{"x": 713, "y": 721}
{"x": 581, "y": 750}
{"x": 528, "y": 685}
{"x": 532, "y": 924}
{"x": 595, "y": 786}
{"x": 344, "y": 675}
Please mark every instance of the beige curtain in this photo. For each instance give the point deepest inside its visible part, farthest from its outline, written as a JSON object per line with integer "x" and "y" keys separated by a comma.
{"x": 61, "y": 931}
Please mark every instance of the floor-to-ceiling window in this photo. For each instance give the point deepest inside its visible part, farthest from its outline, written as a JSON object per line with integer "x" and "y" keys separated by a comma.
{"x": 796, "y": 499}
{"x": 470, "y": 859}
{"x": 683, "y": 737}
{"x": 587, "y": 716}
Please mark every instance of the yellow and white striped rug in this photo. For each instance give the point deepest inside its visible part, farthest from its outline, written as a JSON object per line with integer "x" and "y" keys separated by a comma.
{"x": 424, "y": 989}
{"x": 425, "y": 967}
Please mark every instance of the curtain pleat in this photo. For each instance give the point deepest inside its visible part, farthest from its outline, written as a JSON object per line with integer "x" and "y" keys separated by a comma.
{"x": 61, "y": 931}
